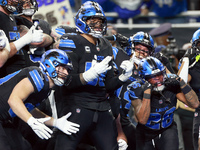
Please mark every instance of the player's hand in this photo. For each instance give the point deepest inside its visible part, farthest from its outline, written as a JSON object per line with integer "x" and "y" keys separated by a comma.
{"x": 146, "y": 86}
{"x": 37, "y": 34}
{"x": 127, "y": 66}
{"x": 32, "y": 36}
{"x": 121, "y": 39}
{"x": 97, "y": 69}
{"x": 4, "y": 43}
{"x": 162, "y": 58}
{"x": 172, "y": 81}
{"x": 135, "y": 90}
{"x": 103, "y": 66}
{"x": 122, "y": 144}
{"x": 39, "y": 127}
{"x": 66, "y": 126}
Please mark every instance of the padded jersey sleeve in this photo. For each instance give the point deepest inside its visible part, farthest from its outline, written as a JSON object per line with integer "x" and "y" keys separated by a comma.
{"x": 38, "y": 79}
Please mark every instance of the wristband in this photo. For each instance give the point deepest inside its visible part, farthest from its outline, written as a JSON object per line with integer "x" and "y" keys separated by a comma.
{"x": 186, "y": 89}
{"x": 182, "y": 83}
{"x": 146, "y": 96}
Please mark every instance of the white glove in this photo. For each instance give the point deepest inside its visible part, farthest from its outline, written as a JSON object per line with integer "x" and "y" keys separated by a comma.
{"x": 66, "y": 126}
{"x": 127, "y": 66}
{"x": 37, "y": 36}
{"x": 4, "y": 43}
{"x": 122, "y": 144}
{"x": 97, "y": 69}
{"x": 32, "y": 36}
{"x": 39, "y": 127}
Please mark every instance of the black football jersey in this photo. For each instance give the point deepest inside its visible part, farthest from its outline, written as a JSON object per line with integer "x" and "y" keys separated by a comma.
{"x": 163, "y": 105}
{"x": 39, "y": 81}
{"x": 32, "y": 59}
{"x": 122, "y": 93}
{"x": 82, "y": 52}
{"x": 17, "y": 61}
{"x": 195, "y": 83}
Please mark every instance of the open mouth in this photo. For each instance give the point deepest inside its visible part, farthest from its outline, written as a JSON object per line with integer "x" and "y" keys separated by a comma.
{"x": 159, "y": 84}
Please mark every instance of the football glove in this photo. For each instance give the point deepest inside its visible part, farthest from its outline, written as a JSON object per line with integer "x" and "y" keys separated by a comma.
{"x": 127, "y": 66}
{"x": 172, "y": 81}
{"x": 39, "y": 127}
{"x": 97, "y": 69}
{"x": 162, "y": 58}
{"x": 137, "y": 88}
{"x": 32, "y": 36}
{"x": 122, "y": 144}
{"x": 66, "y": 126}
{"x": 121, "y": 39}
{"x": 4, "y": 43}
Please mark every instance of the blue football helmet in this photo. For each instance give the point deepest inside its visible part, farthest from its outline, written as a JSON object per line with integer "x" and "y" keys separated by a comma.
{"x": 196, "y": 39}
{"x": 150, "y": 67}
{"x": 53, "y": 58}
{"x": 12, "y": 6}
{"x": 144, "y": 39}
{"x": 90, "y": 10}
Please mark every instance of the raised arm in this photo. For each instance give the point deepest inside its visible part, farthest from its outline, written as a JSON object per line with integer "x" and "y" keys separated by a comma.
{"x": 141, "y": 100}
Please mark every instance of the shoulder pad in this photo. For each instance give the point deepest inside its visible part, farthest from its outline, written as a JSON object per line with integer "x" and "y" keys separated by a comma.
{"x": 37, "y": 79}
{"x": 66, "y": 43}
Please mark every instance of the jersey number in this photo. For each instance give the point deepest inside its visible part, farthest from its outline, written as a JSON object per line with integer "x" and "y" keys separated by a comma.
{"x": 98, "y": 80}
{"x": 155, "y": 121}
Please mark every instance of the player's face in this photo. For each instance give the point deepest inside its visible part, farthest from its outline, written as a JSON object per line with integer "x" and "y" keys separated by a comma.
{"x": 141, "y": 51}
{"x": 13, "y": 2}
{"x": 62, "y": 72}
{"x": 27, "y": 4}
{"x": 156, "y": 80}
{"x": 95, "y": 23}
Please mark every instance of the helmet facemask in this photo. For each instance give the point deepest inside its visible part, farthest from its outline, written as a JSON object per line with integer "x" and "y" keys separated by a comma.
{"x": 13, "y": 6}
{"x": 89, "y": 11}
{"x": 97, "y": 26}
{"x": 144, "y": 39}
{"x": 152, "y": 70}
{"x": 28, "y": 8}
{"x": 158, "y": 86}
{"x": 59, "y": 77}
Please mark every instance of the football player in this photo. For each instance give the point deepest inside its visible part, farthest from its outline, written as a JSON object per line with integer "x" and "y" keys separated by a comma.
{"x": 140, "y": 46}
{"x": 189, "y": 65}
{"x": 22, "y": 90}
{"x": 154, "y": 99}
{"x": 24, "y": 21}
{"x": 92, "y": 78}
{"x": 8, "y": 7}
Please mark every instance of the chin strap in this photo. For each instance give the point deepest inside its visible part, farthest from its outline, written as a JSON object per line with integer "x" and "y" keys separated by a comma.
{"x": 58, "y": 81}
